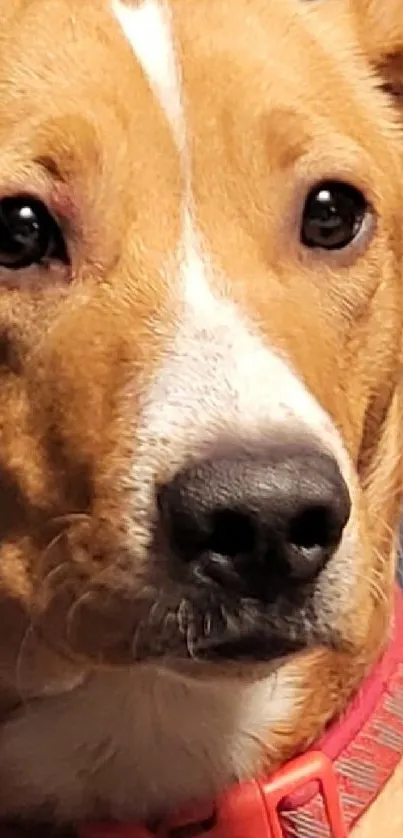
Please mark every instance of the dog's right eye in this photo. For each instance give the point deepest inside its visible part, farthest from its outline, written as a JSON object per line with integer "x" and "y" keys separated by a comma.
{"x": 333, "y": 216}
{"x": 29, "y": 235}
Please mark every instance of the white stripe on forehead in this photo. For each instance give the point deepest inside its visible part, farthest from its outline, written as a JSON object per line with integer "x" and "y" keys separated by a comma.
{"x": 148, "y": 28}
{"x": 217, "y": 360}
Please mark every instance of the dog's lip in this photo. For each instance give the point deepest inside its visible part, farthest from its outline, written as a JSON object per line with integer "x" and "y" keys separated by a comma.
{"x": 250, "y": 648}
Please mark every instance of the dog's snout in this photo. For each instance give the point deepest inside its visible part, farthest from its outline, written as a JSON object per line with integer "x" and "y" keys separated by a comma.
{"x": 258, "y": 522}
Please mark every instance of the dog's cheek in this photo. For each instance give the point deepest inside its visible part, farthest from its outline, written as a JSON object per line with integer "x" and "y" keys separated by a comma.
{"x": 379, "y": 469}
{"x": 381, "y": 479}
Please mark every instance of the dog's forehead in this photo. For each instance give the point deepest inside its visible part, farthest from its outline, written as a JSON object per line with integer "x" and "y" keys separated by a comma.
{"x": 206, "y": 62}
{"x": 198, "y": 54}
{"x": 148, "y": 27}
{"x": 167, "y": 38}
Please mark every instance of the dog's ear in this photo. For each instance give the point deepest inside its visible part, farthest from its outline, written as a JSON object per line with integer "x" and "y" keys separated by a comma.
{"x": 380, "y": 28}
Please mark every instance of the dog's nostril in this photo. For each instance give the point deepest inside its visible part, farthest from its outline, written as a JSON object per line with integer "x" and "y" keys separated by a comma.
{"x": 312, "y": 528}
{"x": 232, "y": 533}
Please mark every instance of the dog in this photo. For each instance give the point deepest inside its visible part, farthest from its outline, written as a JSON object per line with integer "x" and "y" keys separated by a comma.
{"x": 201, "y": 322}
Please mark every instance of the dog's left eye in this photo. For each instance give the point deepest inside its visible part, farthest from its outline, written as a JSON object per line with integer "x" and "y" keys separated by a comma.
{"x": 29, "y": 235}
{"x": 333, "y": 216}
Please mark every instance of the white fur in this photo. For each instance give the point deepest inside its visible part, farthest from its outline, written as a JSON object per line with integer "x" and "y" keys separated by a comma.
{"x": 220, "y": 362}
{"x": 132, "y": 743}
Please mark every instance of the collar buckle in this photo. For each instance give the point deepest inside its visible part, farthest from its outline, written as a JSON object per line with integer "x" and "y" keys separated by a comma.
{"x": 311, "y": 770}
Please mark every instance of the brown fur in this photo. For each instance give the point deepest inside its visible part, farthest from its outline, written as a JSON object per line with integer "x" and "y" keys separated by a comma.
{"x": 79, "y": 346}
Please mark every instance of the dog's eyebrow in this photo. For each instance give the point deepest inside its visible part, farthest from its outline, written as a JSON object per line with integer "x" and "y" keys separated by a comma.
{"x": 51, "y": 166}
{"x": 290, "y": 134}
{"x": 64, "y": 146}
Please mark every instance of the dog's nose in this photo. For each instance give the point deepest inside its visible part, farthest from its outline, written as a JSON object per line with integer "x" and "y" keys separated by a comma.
{"x": 257, "y": 522}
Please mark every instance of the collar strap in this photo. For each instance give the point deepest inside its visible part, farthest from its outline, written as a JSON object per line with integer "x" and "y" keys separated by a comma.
{"x": 321, "y": 794}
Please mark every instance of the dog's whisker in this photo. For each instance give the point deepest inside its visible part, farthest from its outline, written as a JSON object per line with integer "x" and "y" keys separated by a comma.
{"x": 19, "y": 666}
{"x": 56, "y": 572}
{"x": 182, "y": 616}
{"x": 70, "y": 518}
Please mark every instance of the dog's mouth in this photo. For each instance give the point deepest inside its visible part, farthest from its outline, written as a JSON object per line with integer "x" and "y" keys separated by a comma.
{"x": 245, "y": 631}
{"x": 176, "y": 625}
{"x": 162, "y": 612}
{"x": 207, "y": 630}
{"x": 252, "y": 648}
{"x": 121, "y": 620}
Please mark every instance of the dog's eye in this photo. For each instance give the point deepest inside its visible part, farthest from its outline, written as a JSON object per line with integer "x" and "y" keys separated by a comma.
{"x": 28, "y": 234}
{"x": 333, "y": 216}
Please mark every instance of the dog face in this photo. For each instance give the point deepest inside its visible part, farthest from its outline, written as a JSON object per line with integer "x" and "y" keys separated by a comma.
{"x": 200, "y": 314}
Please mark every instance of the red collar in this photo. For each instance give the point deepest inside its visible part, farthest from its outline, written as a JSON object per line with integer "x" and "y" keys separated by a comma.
{"x": 321, "y": 794}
